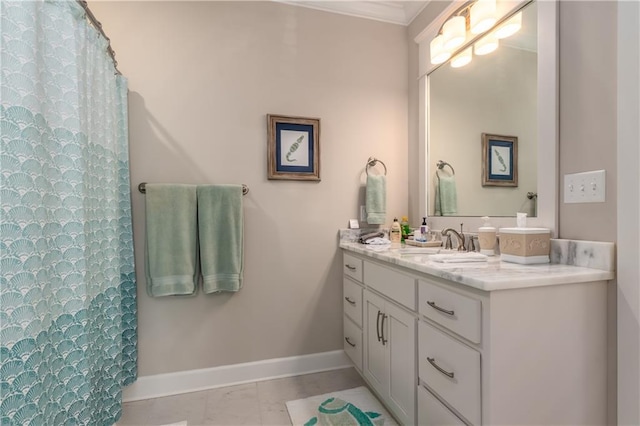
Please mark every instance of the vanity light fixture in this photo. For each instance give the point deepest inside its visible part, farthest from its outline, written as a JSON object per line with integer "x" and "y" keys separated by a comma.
{"x": 462, "y": 58}
{"x": 454, "y": 32}
{"x": 486, "y": 44}
{"x": 474, "y": 17}
{"x": 482, "y": 16}
{"x": 439, "y": 54}
{"x": 510, "y": 26}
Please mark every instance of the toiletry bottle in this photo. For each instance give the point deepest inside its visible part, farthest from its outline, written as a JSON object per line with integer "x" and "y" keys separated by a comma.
{"x": 487, "y": 237}
{"x": 395, "y": 233}
{"x": 406, "y": 230}
{"x": 424, "y": 229}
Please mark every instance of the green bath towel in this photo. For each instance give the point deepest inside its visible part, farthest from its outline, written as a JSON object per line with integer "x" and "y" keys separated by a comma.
{"x": 171, "y": 249}
{"x": 220, "y": 230}
{"x": 376, "y": 199}
{"x": 446, "y": 198}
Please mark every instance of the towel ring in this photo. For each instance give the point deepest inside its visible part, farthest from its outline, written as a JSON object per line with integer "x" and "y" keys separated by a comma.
{"x": 372, "y": 161}
{"x": 142, "y": 187}
{"x": 440, "y": 165}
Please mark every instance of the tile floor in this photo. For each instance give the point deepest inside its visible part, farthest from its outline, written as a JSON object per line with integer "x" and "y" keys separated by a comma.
{"x": 258, "y": 403}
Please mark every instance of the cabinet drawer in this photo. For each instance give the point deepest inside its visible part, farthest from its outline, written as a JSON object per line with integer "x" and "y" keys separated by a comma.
{"x": 432, "y": 412}
{"x": 440, "y": 357}
{"x": 352, "y": 300}
{"x": 395, "y": 285}
{"x": 353, "y": 342}
{"x": 458, "y": 313}
{"x": 352, "y": 267}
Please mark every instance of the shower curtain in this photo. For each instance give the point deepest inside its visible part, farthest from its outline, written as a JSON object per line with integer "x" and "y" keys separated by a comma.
{"x": 68, "y": 331}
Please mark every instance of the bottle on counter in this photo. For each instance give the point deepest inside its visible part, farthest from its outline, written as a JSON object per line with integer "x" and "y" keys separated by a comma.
{"x": 395, "y": 233}
{"x": 406, "y": 229}
{"x": 424, "y": 229}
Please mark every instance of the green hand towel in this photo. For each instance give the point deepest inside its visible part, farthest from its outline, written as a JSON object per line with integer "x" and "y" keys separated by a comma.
{"x": 446, "y": 198}
{"x": 171, "y": 249}
{"x": 376, "y": 199}
{"x": 220, "y": 229}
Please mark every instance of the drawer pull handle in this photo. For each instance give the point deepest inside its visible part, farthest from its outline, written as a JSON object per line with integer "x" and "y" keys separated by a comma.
{"x": 353, "y": 302}
{"x": 353, "y": 345}
{"x": 438, "y": 308}
{"x": 384, "y": 341}
{"x": 378, "y": 326}
{"x": 432, "y": 361}
{"x": 349, "y": 267}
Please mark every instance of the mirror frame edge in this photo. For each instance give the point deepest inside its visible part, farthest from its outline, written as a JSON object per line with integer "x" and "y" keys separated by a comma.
{"x": 548, "y": 127}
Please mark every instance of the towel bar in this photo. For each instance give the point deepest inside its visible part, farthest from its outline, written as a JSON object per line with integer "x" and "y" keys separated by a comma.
{"x": 142, "y": 187}
{"x": 372, "y": 162}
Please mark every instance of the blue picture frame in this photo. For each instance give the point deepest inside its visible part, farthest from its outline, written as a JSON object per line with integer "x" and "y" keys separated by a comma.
{"x": 499, "y": 160}
{"x": 293, "y": 148}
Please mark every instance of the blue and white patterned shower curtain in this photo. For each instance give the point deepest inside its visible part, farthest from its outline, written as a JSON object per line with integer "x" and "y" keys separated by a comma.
{"x": 68, "y": 333}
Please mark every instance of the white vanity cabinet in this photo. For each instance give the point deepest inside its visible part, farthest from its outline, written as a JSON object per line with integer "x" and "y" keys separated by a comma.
{"x": 438, "y": 352}
{"x": 380, "y": 319}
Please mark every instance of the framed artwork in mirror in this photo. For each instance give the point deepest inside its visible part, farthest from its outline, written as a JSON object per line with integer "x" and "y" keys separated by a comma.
{"x": 499, "y": 160}
{"x": 293, "y": 148}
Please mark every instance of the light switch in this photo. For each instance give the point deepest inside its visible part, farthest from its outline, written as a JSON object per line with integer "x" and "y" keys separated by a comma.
{"x": 585, "y": 187}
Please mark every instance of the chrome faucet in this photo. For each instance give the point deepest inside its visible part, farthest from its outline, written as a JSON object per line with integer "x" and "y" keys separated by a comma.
{"x": 459, "y": 235}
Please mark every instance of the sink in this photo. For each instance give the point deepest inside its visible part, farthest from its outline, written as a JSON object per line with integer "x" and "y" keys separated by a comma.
{"x": 420, "y": 250}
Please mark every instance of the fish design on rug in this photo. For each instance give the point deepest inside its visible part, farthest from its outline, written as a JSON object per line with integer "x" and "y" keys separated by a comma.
{"x": 335, "y": 411}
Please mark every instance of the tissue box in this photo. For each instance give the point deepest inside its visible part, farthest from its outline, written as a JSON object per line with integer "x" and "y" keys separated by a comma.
{"x": 525, "y": 245}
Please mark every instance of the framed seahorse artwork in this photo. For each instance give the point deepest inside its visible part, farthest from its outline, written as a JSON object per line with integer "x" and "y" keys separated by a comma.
{"x": 293, "y": 148}
{"x": 499, "y": 160}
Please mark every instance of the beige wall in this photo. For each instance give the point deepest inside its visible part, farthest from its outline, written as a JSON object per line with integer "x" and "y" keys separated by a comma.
{"x": 202, "y": 77}
{"x": 588, "y": 112}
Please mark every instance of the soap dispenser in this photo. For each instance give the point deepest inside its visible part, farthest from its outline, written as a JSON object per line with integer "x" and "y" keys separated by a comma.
{"x": 487, "y": 237}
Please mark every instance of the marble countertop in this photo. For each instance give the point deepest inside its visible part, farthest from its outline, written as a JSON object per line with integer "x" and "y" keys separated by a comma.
{"x": 488, "y": 276}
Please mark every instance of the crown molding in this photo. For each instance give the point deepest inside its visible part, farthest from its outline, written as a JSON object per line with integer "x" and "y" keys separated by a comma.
{"x": 395, "y": 12}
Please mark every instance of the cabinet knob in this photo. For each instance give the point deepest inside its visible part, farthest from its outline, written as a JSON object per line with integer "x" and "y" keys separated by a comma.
{"x": 353, "y": 345}
{"x": 353, "y": 302}
{"x": 349, "y": 267}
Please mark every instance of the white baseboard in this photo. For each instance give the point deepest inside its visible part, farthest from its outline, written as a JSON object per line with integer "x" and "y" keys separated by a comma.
{"x": 160, "y": 385}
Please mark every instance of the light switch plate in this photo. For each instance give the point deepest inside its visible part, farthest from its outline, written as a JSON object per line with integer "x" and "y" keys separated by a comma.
{"x": 585, "y": 187}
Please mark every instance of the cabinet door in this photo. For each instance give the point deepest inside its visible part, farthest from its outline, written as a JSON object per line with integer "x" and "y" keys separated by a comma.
{"x": 400, "y": 331}
{"x": 374, "y": 363}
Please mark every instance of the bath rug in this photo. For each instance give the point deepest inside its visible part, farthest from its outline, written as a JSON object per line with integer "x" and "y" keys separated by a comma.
{"x": 355, "y": 406}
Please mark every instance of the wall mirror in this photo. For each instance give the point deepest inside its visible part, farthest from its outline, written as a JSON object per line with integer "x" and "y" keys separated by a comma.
{"x": 509, "y": 96}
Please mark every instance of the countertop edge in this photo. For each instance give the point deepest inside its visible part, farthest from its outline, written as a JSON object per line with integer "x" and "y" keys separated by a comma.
{"x": 493, "y": 275}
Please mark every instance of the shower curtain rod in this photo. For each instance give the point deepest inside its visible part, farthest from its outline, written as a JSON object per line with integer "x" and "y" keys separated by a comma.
{"x": 98, "y": 26}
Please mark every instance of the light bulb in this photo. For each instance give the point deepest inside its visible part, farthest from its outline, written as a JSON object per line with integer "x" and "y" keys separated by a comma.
{"x": 510, "y": 26}
{"x": 483, "y": 16}
{"x": 438, "y": 53}
{"x": 486, "y": 44}
{"x": 454, "y": 32}
{"x": 462, "y": 58}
